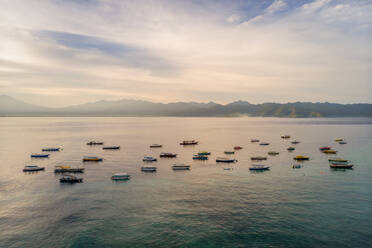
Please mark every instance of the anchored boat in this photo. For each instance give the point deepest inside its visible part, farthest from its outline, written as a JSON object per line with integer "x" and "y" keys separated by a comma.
{"x": 200, "y": 157}
{"x": 291, "y": 148}
{"x": 94, "y": 143}
{"x": 32, "y": 168}
{"x": 63, "y": 169}
{"x": 342, "y": 142}
{"x": 70, "y": 179}
{"x": 296, "y": 166}
{"x": 264, "y": 144}
{"x": 204, "y": 153}
{"x": 259, "y": 167}
{"x": 337, "y": 160}
{"x": 92, "y": 159}
{"x": 39, "y": 155}
{"x": 258, "y": 158}
{"x": 285, "y": 136}
{"x": 295, "y": 142}
{"x": 324, "y": 148}
{"x": 341, "y": 166}
{"x": 301, "y": 158}
{"x": 51, "y": 149}
{"x": 339, "y": 139}
{"x": 329, "y": 151}
{"x": 156, "y": 146}
{"x": 111, "y": 147}
{"x": 255, "y": 140}
{"x": 229, "y": 152}
{"x": 238, "y": 147}
{"x": 226, "y": 160}
{"x": 168, "y": 155}
{"x": 120, "y": 176}
{"x": 149, "y": 159}
{"x": 273, "y": 153}
{"x": 181, "y": 167}
{"x": 148, "y": 169}
{"x": 189, "y": 142}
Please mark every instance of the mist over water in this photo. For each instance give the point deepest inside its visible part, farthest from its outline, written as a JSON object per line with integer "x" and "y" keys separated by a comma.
{"x": 205, "y": 207}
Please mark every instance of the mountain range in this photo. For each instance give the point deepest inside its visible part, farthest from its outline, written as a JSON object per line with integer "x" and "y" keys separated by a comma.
{"x": 10, "y": 106}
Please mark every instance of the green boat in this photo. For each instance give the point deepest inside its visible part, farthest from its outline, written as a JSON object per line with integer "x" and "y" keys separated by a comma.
{"x": 229, "y": 152}
{"x": 204, "y": 153}
{"x": 200, "y": 157}
{"x": 337, "y": 160}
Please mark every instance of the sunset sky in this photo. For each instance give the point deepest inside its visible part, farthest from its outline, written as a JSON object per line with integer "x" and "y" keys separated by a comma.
{"x": 63, "y": 52}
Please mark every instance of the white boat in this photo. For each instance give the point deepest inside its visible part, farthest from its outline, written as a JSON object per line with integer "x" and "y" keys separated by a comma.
{"x": 181, "y": 167}
{"x": 32, "y": 168}
{"x": 148, "y": 169}
{"x": 120, "y": 176}
{"x": 149, "y": 159}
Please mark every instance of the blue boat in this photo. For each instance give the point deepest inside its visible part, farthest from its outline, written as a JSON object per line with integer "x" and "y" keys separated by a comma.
{"x": 51, "y": 149}
{"x": 200, "y": 157}
{"x": 259, "y": 167}
{"x": 39, "y": 155}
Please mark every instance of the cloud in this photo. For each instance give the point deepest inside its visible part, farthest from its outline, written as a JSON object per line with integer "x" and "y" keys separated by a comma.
{"x": 234, "y": 18}
{"x": 277, "y": 5}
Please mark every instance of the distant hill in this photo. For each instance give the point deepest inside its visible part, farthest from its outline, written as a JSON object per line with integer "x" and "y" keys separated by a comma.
{"x": 12, "y": 107}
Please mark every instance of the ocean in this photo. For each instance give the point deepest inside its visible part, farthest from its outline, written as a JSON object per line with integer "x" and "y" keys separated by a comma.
{"x": 207, "y": 206}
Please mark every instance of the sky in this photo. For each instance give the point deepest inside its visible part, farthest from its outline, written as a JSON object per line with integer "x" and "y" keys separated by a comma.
{"x": 64, "y": 52}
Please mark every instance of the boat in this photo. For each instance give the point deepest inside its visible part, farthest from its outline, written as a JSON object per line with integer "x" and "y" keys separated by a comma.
{"x": 229, "y": 152}
{"x": 259, "y": 167}
{"x": 324, "y": 148}
{"x": 204, "y": 153}
{"x": 168, "y": 155}
{"x": 39, "y": 155}
{"x": 111, "y": 147}
{"x": 149, "y": 159}
{"x": 273, "y": 153}
{"x": 264, "y": 144}
{"x": 189, "y": 142}
{"x": 226, "y": 160}
{"x": 92, "y": 159}
{"x": 285, "y": 136}
{"x": 296, "y": 166}
{"x": 291, "y": 148}
{"x": 255, "y": 140}
{"x": 300, "y": 158}
{"x": 200, "y": 157}
{"x": 228, "y": 168}
{"x": 70, "y": 179}
{"x": 337, "y": 160}
{"x": 339, "y": 139}
{"x": 329, "y": 151}
{"x": 32, "y": 168}
{"x": 156, "y": 146}
{"x": 341, "y": 166}
{"x": 295, "y": 142}
{"x": 181, "y": 167}
{"x": 238, "y": 147}
{"x": 94, "y": 143}
{"x": 51, "y": 149}
{"x": 342, "y": 142}
{"x": 63, "y": 169}
{"x": 148, "y": 169}
{"x": 120, "y": 176}
{"x": 258, "y": 158}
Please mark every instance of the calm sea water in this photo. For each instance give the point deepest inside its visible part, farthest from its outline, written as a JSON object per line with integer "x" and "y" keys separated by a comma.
{"x": 205, "y": 207}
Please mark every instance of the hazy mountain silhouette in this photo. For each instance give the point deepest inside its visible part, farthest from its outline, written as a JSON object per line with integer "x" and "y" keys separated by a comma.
{"x": 12, "y": 107}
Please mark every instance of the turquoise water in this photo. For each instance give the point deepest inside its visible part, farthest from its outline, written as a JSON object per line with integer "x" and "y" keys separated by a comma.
{"x": 205, "y": 207}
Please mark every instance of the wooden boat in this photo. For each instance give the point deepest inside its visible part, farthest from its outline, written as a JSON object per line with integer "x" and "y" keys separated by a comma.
{"x": 295, "y": 142}
{"x": 296, "y": 166}
{"x": 92, "y": 159}
{"x": 148, "y": 169}
{"x": 204, "y": 153}
{"x": 285, "y": 136}
{"x": 168, "y": 155}
{"x": 329, "y": 151}
{"x": 156, "y": 146}
{"x": 111, "y": 147}
{"x": 200, "y": 157}
{"x": 339, "y": 139}
{"x": 70, "y": 179}
{"x": 341, "y": 166}
{"x": 264, "y": 144}
{"x": 39, "y": 155}
{"x": 181, "y": 167}
{"x": 226, "y": 160}
{"x": 272, "y": 153}
{"x": 301, "y": 158}
{"x": 238, "y": 147}
{"x": 229, "y": 152}
{"x": 259, "y": 167}
{"x": 120, "y": 176}
{"x": 258, "y": 158}
{"x": 149, "y": 159}
{"x": 51, "y": 149}
{"x": 189, "y": 142}
{"x": 291, "y": 148}
{"x": 32, "y": 168}
{"x": 94, "y": 143}
{"x": 324, "y": 148}
{"x": 337, "y": 160}
{"x": 255, "y": 140}
{"x": 64, "y": 169}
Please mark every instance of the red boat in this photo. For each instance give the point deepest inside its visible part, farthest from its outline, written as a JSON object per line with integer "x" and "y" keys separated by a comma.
{"x": 238, "y": 147}
{"x": 189, "y": 142}
{"x": 324, "y": 148}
